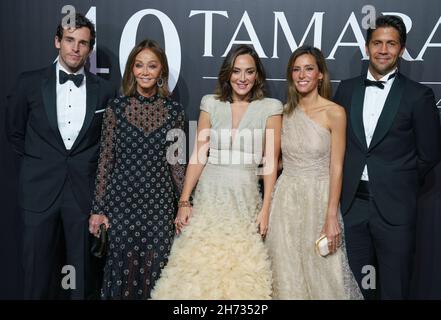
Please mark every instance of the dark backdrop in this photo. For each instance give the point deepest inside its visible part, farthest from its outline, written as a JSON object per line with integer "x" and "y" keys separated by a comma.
{"x": 196, "y": 34}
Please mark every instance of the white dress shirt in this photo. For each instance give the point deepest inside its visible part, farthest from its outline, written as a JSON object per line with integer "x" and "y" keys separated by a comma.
{"x": 374, "y": 99}
{"x": 71, "y": 107}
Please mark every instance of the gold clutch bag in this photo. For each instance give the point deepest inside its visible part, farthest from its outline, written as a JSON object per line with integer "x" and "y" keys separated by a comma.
{"x": 321, "y": 246}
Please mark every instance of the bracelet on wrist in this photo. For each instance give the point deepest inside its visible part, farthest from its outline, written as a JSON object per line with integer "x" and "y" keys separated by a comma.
{"x": 184, "y": 204}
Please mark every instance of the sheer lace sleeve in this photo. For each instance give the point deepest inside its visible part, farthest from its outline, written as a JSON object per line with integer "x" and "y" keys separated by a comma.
{"x": 177, "y": 156}
{"x": 105, "y": 162}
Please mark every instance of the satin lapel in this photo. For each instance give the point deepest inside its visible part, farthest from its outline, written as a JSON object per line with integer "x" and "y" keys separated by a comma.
{"x": 91, "y": 104}
{"x": 49, "y": 94}
{"x": 389, "y": 111}
{"x": 357, "y": 113}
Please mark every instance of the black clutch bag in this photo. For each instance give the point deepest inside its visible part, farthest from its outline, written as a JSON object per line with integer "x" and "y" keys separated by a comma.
{"x": 99, "y": 245}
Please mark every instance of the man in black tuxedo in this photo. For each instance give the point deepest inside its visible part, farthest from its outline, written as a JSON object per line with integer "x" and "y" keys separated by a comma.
{"x": 54, "y": 118}
{"x": 393, "y": 140}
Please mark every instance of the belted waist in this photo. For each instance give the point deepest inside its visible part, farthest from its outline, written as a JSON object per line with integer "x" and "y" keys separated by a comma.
{"x": 233, "y": 157}
{"x": 311, "y": 173}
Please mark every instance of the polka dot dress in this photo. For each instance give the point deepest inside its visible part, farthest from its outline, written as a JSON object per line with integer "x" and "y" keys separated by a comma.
{"x": 137, "y": 186}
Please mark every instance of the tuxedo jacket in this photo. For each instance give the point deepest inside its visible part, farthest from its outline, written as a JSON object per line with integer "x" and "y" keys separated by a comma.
{"x": 406, "y": 144}
{"x": 32, "y": 129}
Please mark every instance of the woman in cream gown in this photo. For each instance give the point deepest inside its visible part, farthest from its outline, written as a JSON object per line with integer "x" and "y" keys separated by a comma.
{"x": 306, "y": 197}
{"x": 219, "y": 253}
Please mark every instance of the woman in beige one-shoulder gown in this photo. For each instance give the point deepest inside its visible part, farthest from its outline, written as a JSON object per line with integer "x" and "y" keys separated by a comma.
{"x": 306, "y": 197}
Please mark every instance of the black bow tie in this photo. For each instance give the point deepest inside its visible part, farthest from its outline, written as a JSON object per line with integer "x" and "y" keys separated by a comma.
{"x": 75, "y": 78}
{"x": 371, "y": 83}
{"x": 379, "y": 84}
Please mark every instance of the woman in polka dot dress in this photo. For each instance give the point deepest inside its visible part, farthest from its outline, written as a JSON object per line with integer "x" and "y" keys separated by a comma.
{"x": 139, "y": 176}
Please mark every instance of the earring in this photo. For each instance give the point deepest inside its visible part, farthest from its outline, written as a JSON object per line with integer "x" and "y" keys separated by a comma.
{"x": 320, "y": 82}
{"x": 160, "y": 82}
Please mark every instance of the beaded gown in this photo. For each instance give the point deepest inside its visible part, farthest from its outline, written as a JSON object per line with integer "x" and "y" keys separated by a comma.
{"x": 220, "y": 254}
{"x": 297, "y": 216}
{"x": 137, "y": 187}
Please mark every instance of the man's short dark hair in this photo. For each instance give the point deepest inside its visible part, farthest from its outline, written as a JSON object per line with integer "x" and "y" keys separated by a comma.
{"x": 392, "y": 22}
{"x": 80, "y": 22}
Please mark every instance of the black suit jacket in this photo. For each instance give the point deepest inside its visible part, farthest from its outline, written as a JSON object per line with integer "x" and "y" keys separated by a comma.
{"x": 406, "y": 144}
{"x": 32, "y": 129}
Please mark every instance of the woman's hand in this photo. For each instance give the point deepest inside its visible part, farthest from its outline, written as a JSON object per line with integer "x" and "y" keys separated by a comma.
{"x": 262, "y": 222}
{"x": 182, "y": 218}
{"x": 332, "y": 230}
{"x": 95, "y": 221}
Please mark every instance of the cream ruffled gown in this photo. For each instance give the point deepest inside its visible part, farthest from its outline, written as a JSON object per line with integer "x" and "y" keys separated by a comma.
{"x": 220, "y": 255}
{"x": 298, "y": 212}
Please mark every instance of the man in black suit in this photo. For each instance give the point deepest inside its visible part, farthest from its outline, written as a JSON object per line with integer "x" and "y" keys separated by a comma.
{"x": 393, "y": 140}
{"x": 54, "y": 118}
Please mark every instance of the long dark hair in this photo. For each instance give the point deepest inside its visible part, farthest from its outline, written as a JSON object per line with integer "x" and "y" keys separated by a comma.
{"x": 224, "y": 91}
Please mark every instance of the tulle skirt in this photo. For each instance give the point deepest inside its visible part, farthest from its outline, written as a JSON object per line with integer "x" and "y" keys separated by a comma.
{"x": 220, "y": 254}
{"x": 298, "y": 214}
